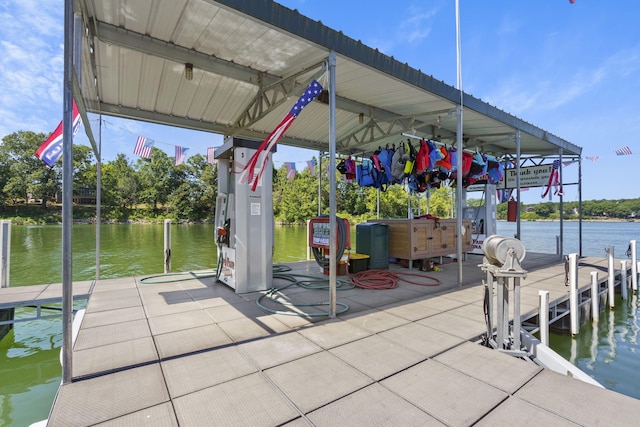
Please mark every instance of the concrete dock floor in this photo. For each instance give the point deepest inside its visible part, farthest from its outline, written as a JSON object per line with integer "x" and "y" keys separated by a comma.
{"x": 191, "y": 352}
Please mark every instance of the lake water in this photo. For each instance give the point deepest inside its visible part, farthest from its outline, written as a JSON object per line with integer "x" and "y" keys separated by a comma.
{"x": 29, "y": 356}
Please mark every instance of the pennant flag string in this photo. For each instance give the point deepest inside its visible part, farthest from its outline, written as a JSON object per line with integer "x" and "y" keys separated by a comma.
{"x": 181, "y": 154}
{"x": 624, "y": 151}
{"x": 291, "y": 170}
{"x": 143, "y": 147}
{"x": 211, "y": 157}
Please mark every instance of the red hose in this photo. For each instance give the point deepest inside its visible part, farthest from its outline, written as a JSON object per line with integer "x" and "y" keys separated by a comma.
{"x": 385, "y": 279}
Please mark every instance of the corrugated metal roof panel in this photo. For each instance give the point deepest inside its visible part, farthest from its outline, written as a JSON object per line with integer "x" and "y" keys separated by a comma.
{"x": 240, "y": 49}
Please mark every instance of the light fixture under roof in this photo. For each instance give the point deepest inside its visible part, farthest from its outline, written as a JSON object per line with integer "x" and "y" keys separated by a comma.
{"x": 188, "y": 71}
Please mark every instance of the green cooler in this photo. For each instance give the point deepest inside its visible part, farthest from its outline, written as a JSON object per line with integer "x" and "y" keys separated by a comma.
{"x": 372, "y": 239}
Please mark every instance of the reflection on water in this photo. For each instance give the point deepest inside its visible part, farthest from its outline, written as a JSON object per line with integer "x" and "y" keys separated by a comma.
{"x": 30, "y": 370}
{"x": 607, "y": 350}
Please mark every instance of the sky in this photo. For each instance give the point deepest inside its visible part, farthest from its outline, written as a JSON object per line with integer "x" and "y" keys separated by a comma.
{"x": 572, "y": 69}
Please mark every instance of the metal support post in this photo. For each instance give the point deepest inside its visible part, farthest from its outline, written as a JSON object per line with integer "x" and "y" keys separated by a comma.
{"x": 5, "y": 253}
{"x": 595, "y": 297}
{"x": 573, "y": 296}
{"x": 308, "y": 242}
{"x": 332, "y": 184}
{"x": 167, "y": 246}
{"x": 516, "y": 314}
{"x": 611, "y": 276}
{"x": 490, "y": 312}
{"x": 543, "y": 316}
{"x": 67, "y": 199}
{"x": 634, "y": 265}
{"x": 623, "y": 279}
{"x": 500, "y": 333}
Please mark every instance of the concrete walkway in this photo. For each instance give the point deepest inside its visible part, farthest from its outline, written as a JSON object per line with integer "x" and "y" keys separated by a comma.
{"x": 193, "y": 353}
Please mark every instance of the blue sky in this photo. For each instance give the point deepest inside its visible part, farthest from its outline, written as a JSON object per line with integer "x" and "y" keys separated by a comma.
{"x": 570, "y": 69}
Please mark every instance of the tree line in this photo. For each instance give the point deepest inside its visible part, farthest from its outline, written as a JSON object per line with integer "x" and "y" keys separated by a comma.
{"x": 156, "y": 188}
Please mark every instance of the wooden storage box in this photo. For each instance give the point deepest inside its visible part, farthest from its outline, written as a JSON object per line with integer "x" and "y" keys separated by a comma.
{"x": 426, "y": 238}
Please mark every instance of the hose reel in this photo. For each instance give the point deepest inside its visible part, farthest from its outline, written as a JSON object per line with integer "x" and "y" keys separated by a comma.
{"x": 319, "y": 232}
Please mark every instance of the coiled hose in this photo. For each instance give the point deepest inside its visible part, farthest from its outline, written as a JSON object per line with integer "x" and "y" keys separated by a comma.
{"x": 384, "y": 279}
{"x": 307, "y": 282}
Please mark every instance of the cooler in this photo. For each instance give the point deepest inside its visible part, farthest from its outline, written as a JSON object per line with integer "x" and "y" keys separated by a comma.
{"x": 372, "y": 238}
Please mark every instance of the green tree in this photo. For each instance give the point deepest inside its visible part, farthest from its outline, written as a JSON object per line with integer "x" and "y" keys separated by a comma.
{"x": 84, "y": 167}
{"x": 28, "y": 175}
{"x": 194, "y": 190}
{"x": 120, "y": 183}
{"x": 295, "y": 199}
{"x": 157, "y": 178}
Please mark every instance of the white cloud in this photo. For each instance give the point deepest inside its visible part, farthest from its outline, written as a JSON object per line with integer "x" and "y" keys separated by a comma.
{"x": 562, "y": 86}
{"x": 30, "y": 64}
{"x": 408, "y": 32}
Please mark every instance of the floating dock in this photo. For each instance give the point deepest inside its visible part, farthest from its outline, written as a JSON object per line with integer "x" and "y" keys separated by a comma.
{"x": 193, "y": 353}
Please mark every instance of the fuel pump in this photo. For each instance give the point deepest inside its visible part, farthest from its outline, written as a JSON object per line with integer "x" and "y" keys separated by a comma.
{"x": 483, "y": 218}
{"x": 244, "y": 219}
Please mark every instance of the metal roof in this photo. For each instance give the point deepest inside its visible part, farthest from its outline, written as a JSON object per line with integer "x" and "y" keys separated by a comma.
{"x": 253, "y": 59}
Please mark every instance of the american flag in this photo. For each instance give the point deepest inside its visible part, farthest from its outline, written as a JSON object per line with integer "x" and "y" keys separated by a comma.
{"x": 311, "y": 164}
{"x": 143, "y": 147}
{"x": 624, "y": 151}
{"x": 181, "y": 154}
{"x": 248, "y": 175}
{"x": 592, "y": 158}
{"x": 51, "y": 149}
{"x": 211, "y": 157}
{"x": 554, "y": 180}
{"x": 291, "y": 170}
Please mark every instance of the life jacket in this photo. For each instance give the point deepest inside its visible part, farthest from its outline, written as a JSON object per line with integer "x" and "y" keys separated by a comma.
{"x": 445, "y": 161}
{"x": 477, "y": 166}
{"x": 365, "y": 173}
{"x": 467, "y": 160}
{"x": 397, "y": 164}
{"x": 422, "y": 158}
{"x": 350, "y": 165}
{"x": 433, "y": 154}
{"x": 342, "y": 167}
{"x": 453, "y": 158}
{"x": 495, "y": 170}
{"x": 410, "y": 154}
{"x": 380, "y": 179}
{"x": 384, "y": 157}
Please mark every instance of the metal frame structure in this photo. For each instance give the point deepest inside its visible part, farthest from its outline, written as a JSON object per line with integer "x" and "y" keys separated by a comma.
{"x": 245, "y": 59}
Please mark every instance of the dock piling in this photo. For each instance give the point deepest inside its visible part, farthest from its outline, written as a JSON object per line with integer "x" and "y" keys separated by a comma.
{"x": 623, "y": 279}
{"x": 5, "y": 252}
{"x": 167, "y": 246}
{"x": 573, "y": 294}
{"x": 5, "y": 257}
{"x": 611, "y": 276}
{"x": 543, "y": 316}
{"x": 634, "y": 265}
{"x": 595, "y": 297}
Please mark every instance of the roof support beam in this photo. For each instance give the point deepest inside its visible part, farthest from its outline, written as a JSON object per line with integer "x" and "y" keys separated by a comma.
{"x": 271, "y": 97}
{"x": 378, "y": 129}
{"x": 108, "y": 33}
